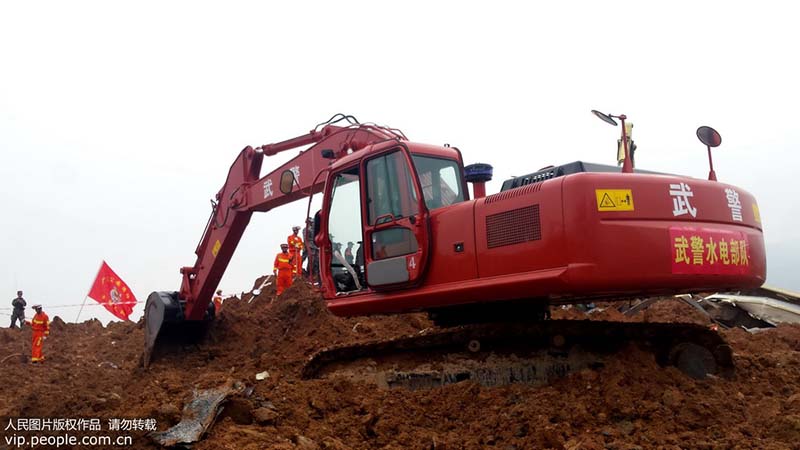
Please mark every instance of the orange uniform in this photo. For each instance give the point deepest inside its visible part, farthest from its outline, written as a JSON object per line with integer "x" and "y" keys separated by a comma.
{"x": 296, "y": 252}
{"x": 217, "y": 304}
{"x": 283, "y": 268}
{"x": 40, "y": 324}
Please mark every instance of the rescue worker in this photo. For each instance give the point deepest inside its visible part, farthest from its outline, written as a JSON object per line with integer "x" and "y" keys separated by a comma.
{"x": 295, "y": 250}
{"x": 348, "y": 254}
{"x": 40, "y": 324}
{"x": 283, "y": 269}
{"x": 19, "y": 305}
{"x": 218, "y": 302}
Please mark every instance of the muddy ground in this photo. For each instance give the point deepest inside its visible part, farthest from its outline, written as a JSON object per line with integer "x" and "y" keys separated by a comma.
{"x": 631, "y": 403}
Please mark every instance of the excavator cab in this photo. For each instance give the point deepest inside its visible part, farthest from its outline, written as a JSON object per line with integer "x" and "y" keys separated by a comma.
{"x": 384, "y": 201}
{"x": 382, "y": 198}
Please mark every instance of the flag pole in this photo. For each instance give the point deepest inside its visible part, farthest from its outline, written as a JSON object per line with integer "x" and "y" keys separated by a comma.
{"x": 90, "y": 290}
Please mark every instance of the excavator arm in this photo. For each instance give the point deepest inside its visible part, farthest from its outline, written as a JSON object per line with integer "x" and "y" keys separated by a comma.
{"x": 242, "y": 194}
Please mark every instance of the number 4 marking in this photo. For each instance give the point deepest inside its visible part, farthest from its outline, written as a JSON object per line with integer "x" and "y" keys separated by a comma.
{"x": 412, "y": 263}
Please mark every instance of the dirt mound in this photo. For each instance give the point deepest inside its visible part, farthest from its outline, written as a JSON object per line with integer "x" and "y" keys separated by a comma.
{"x": 94, "y": 372}
{"x": 84, "y": 375}
{"x": 667, "y": 310}
{"x": 282, "y": 332}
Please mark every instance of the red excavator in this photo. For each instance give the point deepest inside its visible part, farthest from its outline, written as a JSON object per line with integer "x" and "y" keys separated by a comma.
{"x": 487, "y": 269}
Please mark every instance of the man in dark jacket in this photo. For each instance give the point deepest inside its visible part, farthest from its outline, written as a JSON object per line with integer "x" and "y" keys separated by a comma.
{"x": 19, "y": 305}
{"x": 312, "y": 252}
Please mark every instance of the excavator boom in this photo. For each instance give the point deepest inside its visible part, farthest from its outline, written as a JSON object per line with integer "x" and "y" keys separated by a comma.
{"x": 243, "y": 193}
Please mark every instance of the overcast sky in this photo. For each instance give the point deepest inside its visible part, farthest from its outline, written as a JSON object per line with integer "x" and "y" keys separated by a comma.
{"x": 118, "y": 121}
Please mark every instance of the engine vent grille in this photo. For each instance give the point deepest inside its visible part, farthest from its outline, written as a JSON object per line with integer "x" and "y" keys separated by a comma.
{"x": 513, "y": 227}
{"x": 505, "y": 195}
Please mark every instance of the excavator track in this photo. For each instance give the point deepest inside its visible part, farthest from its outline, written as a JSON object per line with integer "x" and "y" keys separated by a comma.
{"x": 534, "y": 353}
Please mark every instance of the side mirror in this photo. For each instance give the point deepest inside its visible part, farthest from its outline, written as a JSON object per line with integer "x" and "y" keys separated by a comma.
{"x": 604, "y": 117}
{"x": 287, "y": 182}
{"x": 710, "y": 138}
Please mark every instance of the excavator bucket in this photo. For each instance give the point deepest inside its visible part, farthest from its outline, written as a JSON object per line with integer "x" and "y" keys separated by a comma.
{"x": 164, "y": 321}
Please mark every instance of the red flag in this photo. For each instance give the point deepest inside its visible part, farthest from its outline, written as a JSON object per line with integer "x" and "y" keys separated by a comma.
{"x": 110, "y": 291}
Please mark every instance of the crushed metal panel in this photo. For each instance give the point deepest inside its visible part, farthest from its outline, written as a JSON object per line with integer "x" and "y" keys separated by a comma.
{"x": 198, "y": 415}
{"x": 776, "y": 293}
{"x": 763, "y": 308}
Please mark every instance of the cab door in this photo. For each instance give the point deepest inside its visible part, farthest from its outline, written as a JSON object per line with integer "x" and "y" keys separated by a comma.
{"x": 396, "y": 225}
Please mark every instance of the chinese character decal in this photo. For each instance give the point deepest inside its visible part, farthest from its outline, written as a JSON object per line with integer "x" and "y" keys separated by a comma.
{"x": 734, "y": 204}
{"x": 681, "y": 193}
{"x": 268, "y": 189}
{"x": 708, "y": 251}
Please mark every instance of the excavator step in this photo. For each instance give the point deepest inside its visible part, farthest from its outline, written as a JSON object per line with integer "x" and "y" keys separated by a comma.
{"x": 533, "y": 353}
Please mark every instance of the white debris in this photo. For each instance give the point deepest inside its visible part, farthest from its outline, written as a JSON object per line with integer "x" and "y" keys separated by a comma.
{"x": 262, "y": 375}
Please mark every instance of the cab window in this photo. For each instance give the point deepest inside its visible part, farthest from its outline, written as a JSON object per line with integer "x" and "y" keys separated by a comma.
{"x": 441, "y": 181}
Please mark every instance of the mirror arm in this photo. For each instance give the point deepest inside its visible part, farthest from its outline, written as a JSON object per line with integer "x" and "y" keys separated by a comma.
{"x": 712, "y": 176}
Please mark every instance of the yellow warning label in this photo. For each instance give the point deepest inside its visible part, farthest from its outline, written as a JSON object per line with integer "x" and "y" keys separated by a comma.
{"x": 756, "y": 213}
{"x": 215, "y": 248}
{"x": 614, "y": 199}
